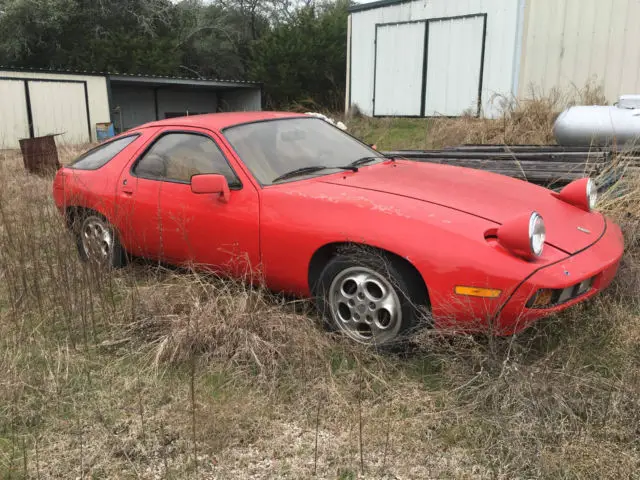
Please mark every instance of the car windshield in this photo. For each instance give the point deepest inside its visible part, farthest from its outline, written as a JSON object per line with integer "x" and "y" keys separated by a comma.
{"x": 274, "y": 148}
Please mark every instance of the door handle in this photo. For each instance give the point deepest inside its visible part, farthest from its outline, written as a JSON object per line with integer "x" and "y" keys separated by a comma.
{"x": 127, "y": 189}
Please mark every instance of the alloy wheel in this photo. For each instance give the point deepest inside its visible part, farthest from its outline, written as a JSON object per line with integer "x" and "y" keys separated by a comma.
{"x": 365, "y": 306}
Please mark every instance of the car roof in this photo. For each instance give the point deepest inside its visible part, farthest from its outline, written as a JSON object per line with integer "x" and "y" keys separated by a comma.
{"x": 219, "y": 121}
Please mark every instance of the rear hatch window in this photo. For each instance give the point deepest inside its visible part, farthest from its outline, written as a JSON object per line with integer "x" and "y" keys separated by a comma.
{"x": 102, "y": 154}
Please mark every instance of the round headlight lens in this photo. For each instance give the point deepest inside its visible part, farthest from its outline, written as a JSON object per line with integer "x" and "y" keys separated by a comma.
{"x": 592, "y": 194}
{"x": 537, "y": 234}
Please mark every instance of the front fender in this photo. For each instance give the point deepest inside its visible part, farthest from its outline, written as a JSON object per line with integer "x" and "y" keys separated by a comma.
{"x": 446, "y": 246}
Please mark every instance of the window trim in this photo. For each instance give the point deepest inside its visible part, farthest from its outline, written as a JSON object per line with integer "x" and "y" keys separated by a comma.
{"x": 302, "y": 117}
{"x": 164, "y": 133}
{"x": 101, "y": 145}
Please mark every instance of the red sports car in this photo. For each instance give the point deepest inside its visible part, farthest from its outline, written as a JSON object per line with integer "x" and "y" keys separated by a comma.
{"x": 382, "y": 244}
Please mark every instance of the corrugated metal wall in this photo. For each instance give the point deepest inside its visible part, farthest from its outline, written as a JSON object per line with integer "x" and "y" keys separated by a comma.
{"x": 137, "y": 103}
{"x": 569, "y": 42}
{"x": 501, "y": 56}
{"x": 133, "y": 105}
{"x": 58, "y": 105}
{"x": 399, "y": 78}
{"x": 14, "y": 123}
{"x": 454, "y": 66}
{"x": 194, "y": 101}
{"x": 59, "y": 108}
{"x": 241, "y": 100}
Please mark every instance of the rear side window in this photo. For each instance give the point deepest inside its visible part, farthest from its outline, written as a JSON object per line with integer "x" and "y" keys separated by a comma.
{"x": 101, "y": 155}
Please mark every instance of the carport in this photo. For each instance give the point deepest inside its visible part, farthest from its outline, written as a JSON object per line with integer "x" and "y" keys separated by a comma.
{"x": 138, "y": 99}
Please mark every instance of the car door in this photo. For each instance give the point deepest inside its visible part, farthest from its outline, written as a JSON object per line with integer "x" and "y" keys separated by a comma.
{"x": 137, "y": 206}
{"x": 200, "y": 229}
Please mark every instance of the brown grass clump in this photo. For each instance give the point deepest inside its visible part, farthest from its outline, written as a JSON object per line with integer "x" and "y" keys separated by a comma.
{"x": 521, "y": 122}
{"x": 223, "y": 321}
{"x": 622, "y": 204}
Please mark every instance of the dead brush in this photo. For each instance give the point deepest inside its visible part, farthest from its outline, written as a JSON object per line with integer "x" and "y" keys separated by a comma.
{"x": 227, "y": 321}
{"x": 517, "y": 122}
{"x": 523, "y": 122}
{"x": 621, "y": 202}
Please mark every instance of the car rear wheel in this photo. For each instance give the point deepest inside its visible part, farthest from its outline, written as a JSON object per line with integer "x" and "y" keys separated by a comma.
{"x": 98, "y": 243}
{"x": 372, "y": 299}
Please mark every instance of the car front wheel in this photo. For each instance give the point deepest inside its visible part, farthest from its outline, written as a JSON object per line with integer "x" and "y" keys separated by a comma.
{"x": 98, "y": 243}
{"x": 372, "y": 299}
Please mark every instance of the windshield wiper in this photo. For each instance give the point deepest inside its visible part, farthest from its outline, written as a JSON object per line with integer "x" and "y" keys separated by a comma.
{"x": 353, "y": 166}
{"x": 312, "y": 169}
{"x": 363, "y": 161}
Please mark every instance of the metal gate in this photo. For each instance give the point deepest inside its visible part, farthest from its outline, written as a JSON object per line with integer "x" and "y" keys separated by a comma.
{"x": 39, "y": 107}
{"x": 430, "y": 67}
{"x": 399, "y": 68}
{"x": 60, "y": 108}
{"x": 14, "y": 121}
{"x": 454, "y": 67}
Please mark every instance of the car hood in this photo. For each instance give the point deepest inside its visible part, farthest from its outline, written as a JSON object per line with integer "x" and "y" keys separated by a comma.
{"x": 496, "y": 198}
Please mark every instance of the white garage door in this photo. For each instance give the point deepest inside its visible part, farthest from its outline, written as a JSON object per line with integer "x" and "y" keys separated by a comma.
{"x": 399, "y": 66}
{"x": 454, "y": 66}
{"x": 14, "y": 123}
{"x": 59, "y": 108}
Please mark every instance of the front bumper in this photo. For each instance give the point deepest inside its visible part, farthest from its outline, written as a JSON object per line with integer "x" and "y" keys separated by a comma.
{"x": 599, "y": 262}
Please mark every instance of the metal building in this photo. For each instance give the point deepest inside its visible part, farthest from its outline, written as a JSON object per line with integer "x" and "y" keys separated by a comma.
{"x": 454, "y": 57}
{"x": 567, "y": 43}
{"x": 35, "y": 103}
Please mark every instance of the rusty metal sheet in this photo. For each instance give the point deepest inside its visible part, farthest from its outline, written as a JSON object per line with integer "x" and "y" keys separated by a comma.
{"x": 40, "y": 155}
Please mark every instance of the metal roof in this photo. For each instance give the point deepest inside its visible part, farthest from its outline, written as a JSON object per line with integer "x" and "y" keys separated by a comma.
{"x": 140, "y": 78}
{"x": 372, "y": 5}
{"x": 192, "y": 82}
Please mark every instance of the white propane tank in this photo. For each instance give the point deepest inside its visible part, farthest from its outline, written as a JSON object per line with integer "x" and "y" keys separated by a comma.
{"x": 600, "y": 125}
{"x": 629, "y": 101}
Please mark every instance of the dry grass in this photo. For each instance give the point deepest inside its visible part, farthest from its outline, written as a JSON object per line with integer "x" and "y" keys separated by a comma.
{"x": 524, "y": 122}
{"x": 155, "y": 373}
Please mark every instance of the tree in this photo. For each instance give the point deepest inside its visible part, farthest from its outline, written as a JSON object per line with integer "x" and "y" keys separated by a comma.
{"x": 132, "y": 36}
{"x": 215, "y": 39}
{"x": 303, "y": 60}
{"x": 296, "y": 47}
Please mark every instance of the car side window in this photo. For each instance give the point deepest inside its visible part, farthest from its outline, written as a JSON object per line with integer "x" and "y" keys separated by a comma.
{"x": 102, "y": 154}
{"x": 178, "y": 156}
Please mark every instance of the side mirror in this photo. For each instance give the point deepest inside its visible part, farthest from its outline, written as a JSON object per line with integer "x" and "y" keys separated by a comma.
{"x": 374, "y": 146}
{"x": 211, "y": 184}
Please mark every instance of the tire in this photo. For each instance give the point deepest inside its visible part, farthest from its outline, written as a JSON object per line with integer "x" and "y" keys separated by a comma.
{"x": 98, "y": 243}
{"x": 372, "y": 298}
